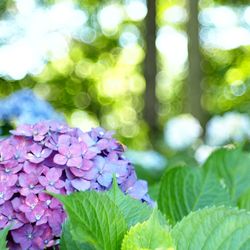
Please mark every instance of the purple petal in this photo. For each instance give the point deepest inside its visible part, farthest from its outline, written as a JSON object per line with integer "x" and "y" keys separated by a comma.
{"x": 87, "y": 165}
{"x": 16, "y": 202}
{"x": 60, "y": 159}
{"x": 3, "y": 221}
{"x": 46, "y": 153}
{"x": 42, "y": 221}
{"x": 63, "y": 149}
{"x": 54, "y": 174}
{"x": 25, "y": 191}
{"x": 91, "y": 153}
{"x": 20, "y": 235}
{"x": 90, "y": 174}
{"x": 59, "y": 184}
{"x": 17, "y": 168}
{"x": 55, "y": 221}
{"x": 64, "y": 139}
{"x": 31, "y": 200}
{"x": 68, "y": 186}
{"x": 15, "y": 224}
{"x": 27, "y": 179}
{"x": 77, "y": 172}
{"x": 24, "y": 208}
{"x": 37, "y": 189}
{"x": 43, "y": 181}
{"x": 33, "y": 168}
{"x": 80, "y": 184}
{"x": 99, "y": 162}
{"x": 138, "y": 190}
{"x": 105, "y": 179}
{"x": 9, "y": 193}
{"x": 102, "y": 144}
{"x": 45, "y": 240}
{"x": 23, "y": 130}
{"x": 87, "y": 139}
{"x": 12, "y": 180}
{"x": 84, "y": 147}
{"x": 51, "y": 142}
{"x": 7, "y": 209}
{"x": 52, "y": 189}
{"x": 69, "y": 174}
{"x": 36, "y": 149}
{"x": 33, "y": 159}
{"x": 38, "y": 137}
{"x": 75, "y": 149}
{"x": 21, "y": 217}
{"x": 55, "y": 203}
{"x": 40, "y": 129}
{"x": 38, "y": 212}
{"x": 130, "y": 181}
{"x": 75, "y": 162}
{"x": 9, "y": 179}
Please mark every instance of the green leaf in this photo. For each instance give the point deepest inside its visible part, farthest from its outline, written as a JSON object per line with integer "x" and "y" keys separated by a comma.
{"x": 133, "y": 210}
{"x": 149, "y": 235}
{"x": 232, "y": 167}
{"x": 244, "y": 200}
{"x": 3, "y": 235}
{"x": 67, "y": 242}
{"x": 95, "y": 219}
{"x": 154, "y": 190}
{"x": 213, "y": 228}
{"x": 186, "y": 189}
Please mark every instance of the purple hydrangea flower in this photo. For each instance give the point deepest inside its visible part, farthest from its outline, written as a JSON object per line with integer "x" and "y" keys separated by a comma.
{"x": 5, "y": 193}
{"x": 50, "y": 156}
{"x": 51, "y": 181}
{"x": 38, "y": 154}
{"x": 9, "y": 217}
{"x": 29, "y": 183}
{"x": 69, "y": 152}
{"x": 23, "y": 130}
{"x": 7, "y": 152}
{"x": 34, "y": 209}
{"x": 39, "y": 131}
{"x": 27, "y": 236}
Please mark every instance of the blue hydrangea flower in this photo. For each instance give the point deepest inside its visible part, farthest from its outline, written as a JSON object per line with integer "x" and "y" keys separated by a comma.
{"x": 25, "y": 107}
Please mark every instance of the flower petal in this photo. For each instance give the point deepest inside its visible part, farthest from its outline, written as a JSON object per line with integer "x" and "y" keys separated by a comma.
{"x": 43, "y": 181}
{"x": 105, "y": 179}
{"x": 80, "y": 184}
{"x": 75, "y": 162}
{"x": 60, "y": 159}
{"x": 54, "y": 174}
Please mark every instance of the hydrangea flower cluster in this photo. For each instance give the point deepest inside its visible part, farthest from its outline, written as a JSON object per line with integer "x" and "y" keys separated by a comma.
{"x": 235, "y": 127}
{"x": 182, "y": 131}
{"x": 50, "y": 156}
{"x": 25, "y": 107}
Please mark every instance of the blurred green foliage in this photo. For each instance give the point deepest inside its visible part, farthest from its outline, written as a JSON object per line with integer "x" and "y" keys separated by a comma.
{"x": 227, "y": 80}
{"x": 100, "y": 82}
{"x": 97, "y": 82}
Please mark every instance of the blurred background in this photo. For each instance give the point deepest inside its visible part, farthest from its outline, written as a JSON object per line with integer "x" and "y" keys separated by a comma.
{"x": 171, "y": 77}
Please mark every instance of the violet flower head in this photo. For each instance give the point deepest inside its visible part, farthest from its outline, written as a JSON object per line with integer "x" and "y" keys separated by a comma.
{"x": 69, "y": 152}
{"x": 51, "y": 181}
{"x": 50, "y": 156}
{"x": 38, "y": 154}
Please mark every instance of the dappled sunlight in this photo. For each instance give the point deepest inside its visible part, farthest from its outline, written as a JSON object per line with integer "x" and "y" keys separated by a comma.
{"x": 89, "y": 64}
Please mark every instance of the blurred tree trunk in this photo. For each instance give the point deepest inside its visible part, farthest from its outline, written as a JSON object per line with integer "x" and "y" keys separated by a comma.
{"x": 150, "y": 68}
{"x": 194, "y": 88}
